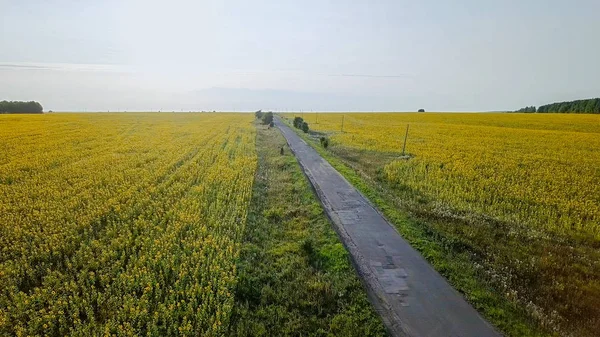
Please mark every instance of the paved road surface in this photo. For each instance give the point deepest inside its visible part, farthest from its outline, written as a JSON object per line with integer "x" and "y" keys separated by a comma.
{"x": 412, "y": 298}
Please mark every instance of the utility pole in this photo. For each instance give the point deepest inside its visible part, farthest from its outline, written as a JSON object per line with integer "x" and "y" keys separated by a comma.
{"x": 405, "y": 136}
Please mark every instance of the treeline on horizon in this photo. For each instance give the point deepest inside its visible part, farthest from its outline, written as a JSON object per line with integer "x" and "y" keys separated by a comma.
{"x": 16, "y": 107}
{"x": 582, "y": 106}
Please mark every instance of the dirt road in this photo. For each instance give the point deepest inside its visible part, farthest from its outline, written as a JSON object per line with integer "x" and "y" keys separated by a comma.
{"x": 411, "y": 297}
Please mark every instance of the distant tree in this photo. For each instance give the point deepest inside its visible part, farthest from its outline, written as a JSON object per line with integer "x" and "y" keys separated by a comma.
{"x": 421, "y": 110}
{"x": 258, "y": 114}
{"x": 20, "y": 107}
{"x": 527, "y": 109}
{"x": 305, "y": 127}
{"x": 298, "y": 122}
{"x": 267, "y": 118}
{"x": 579, "y": 106}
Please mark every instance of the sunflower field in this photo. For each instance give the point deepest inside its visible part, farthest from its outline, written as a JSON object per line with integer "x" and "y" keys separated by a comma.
{"x": 122, "y": 224}
{"x": 538, "y": 170}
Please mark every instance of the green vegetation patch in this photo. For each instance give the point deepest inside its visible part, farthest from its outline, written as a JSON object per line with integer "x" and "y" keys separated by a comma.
{"x": 294, "y": 276}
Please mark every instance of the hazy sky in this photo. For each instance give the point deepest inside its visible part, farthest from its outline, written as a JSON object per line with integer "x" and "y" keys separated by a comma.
{"x": 472, "y": 55}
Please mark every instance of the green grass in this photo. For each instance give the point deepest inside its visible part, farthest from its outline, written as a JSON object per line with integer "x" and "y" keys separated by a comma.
{"x": 294, "y": 276}
{"x": 448, "y": 242}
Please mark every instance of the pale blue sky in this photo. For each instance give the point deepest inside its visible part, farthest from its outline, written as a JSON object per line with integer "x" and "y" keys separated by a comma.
{"x": 471, "y": 55}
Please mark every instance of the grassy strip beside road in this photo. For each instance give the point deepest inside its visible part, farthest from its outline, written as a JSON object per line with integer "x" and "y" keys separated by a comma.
{"x": 294, "y": 276}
